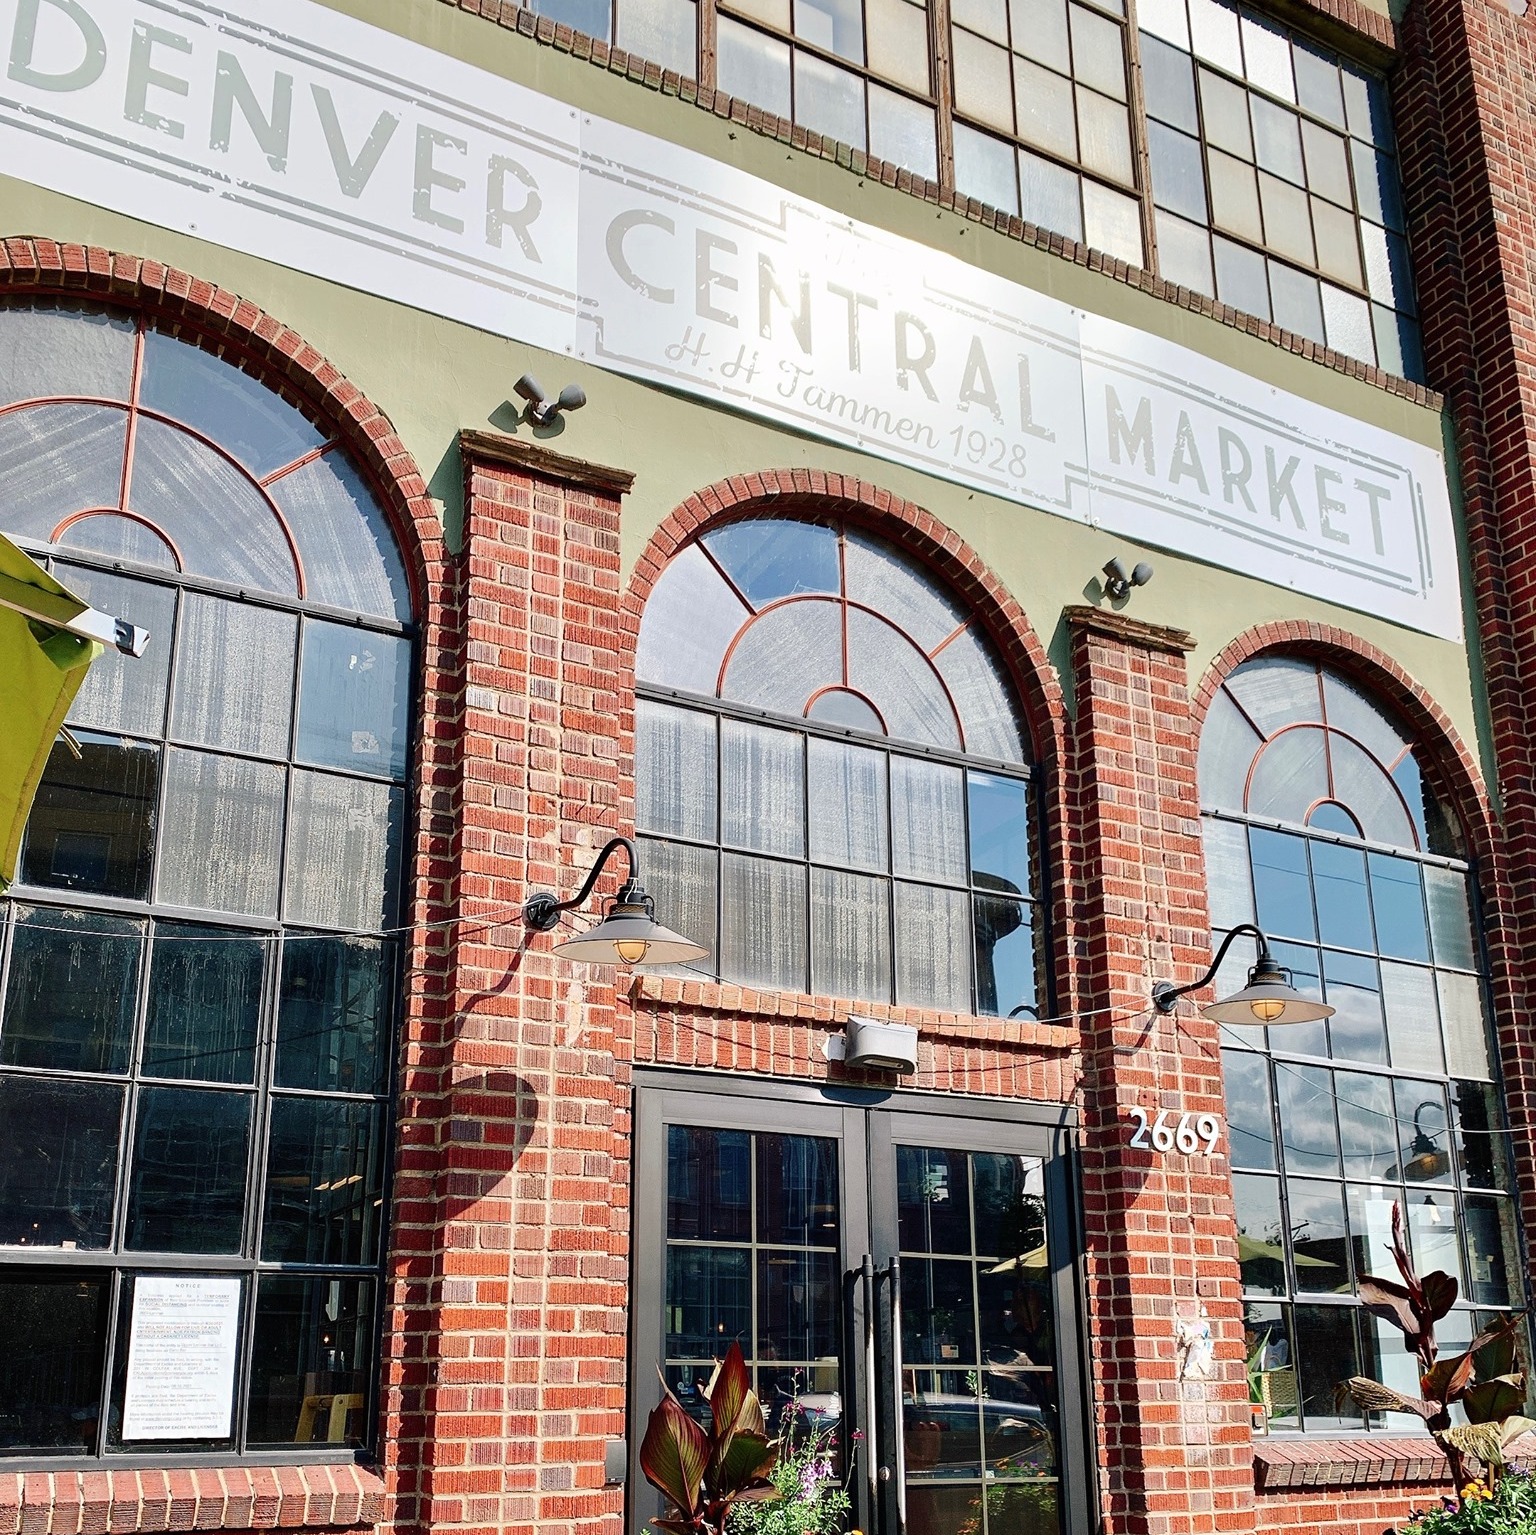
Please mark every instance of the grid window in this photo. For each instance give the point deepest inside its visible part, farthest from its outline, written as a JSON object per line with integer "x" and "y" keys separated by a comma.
{"x": 1261, "y": 139}
{"x": 1319, "y": 828}
{"x": 831, "y": 785}
{"x": 197, "y": 980}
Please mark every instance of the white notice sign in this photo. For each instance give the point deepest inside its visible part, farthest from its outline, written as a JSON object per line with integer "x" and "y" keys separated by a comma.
{"x": 181, "y": 1358}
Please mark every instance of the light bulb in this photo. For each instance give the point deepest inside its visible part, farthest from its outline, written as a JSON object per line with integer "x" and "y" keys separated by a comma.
{"x": 1267, "y": 1009}
{"x": 631, "y": 950}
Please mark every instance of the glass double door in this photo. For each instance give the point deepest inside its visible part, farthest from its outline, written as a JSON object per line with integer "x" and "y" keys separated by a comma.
{"x": 897, "y": 1271}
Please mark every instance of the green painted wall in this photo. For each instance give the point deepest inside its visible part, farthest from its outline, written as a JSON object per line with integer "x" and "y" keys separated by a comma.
{"x": 434, "y": 377}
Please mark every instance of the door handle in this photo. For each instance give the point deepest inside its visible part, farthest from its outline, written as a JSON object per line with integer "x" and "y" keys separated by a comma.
{"x": 871, "y": 1400}
{"x": 899, "y": 1449}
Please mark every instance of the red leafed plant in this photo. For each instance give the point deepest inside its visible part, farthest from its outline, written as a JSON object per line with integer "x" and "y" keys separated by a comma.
{"x": 1484, "y": 1379}
{"x": 703, "y": 1473}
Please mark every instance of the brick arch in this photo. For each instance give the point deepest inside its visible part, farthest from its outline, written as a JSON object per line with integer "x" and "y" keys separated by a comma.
{"x": 232, "y": 327}
{"x": 813, "y": 492}
{"x": 1452, "y": 767}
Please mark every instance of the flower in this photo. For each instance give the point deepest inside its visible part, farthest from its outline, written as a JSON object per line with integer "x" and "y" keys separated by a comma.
{"x": 1476, "y": 1492}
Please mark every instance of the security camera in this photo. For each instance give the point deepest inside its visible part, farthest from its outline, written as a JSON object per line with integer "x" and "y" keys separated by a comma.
{"x": 541, "y": 409}
{"x": 1118, "y": 581}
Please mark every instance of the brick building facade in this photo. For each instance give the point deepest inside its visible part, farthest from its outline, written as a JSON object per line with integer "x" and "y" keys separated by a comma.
{"x": 565, "y": 1176}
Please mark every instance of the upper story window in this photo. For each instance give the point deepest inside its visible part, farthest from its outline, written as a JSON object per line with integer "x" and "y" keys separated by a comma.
{"x": 1272, "y": 186}
{"x": 196, "y": 961}
{"x": 831, "y": 779}
{"x": 1321, "y": 827}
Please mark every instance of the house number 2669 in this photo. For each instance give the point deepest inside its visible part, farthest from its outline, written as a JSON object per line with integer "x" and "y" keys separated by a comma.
{"x": 1188, "y": 1134}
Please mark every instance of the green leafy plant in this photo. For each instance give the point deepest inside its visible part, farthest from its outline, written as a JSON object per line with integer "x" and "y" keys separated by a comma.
{"x": 1509, "y": 1509}
{"x": 812, "y": 1499}
{"x": 704, "y": 1473}
{"x": 1484, "y": 1379}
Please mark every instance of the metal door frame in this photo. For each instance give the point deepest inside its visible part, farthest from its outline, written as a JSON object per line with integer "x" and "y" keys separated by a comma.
{"x": 866, "y": 1123}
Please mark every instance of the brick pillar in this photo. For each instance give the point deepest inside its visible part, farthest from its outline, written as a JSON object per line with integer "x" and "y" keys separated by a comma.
{"x": 1176, "y": 1453}
{"x": 530, "y": 1263}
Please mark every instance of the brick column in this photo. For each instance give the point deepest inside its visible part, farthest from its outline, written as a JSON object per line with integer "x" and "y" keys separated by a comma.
{"x": 528, "y": 1270}
{"x": 1176, "y": 1453}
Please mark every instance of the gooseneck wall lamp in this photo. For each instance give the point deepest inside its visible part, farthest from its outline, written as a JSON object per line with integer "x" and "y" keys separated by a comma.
{"x": 629, "y": 933}
{"x": 1268, "y": 997}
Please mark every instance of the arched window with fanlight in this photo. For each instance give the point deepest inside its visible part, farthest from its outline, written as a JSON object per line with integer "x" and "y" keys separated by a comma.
{"x": 200, "y": 967}
{"x": 833, "y": 783}
{"x": 1322, "y": 825}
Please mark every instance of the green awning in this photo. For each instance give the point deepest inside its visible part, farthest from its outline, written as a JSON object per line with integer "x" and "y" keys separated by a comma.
{"x": 48, "y": 639}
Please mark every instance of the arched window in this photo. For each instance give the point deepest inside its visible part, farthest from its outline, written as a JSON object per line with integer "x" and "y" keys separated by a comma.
{"x": 1321, "y": 826}
{"x": 199, "y": 983}
{"x": 832, "y": 780}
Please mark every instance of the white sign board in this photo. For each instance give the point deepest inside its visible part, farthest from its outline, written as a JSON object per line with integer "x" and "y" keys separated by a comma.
{"x": 291, "y": 132}
{"x": 181, "y": 1357}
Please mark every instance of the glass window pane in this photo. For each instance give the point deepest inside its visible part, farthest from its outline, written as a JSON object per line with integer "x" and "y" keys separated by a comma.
{"x": 828, "y": 100}
{"x": 1260, "y": 1234}
{"x": 848, "y": 811}
{"x": 1241, "y": 278}
{"x": 1049, "y": 197}
{"x": 883, "y": 579}
{"x": 1450, "y": 918}
{"x": 938, "y": 1312}
{"x": 1326, "y": 1353}
{"x": 92, "y": 826}
{"x": 1005, "y": 957}
{"x": 1281, "y": 883}
{"x": 1493, "y": 1251}
{"x": 1276, "y": 692}
{"x": 1165, "y": 19}
{"x": 1317, "y": 82}
{"x": 990, "y": 17}
{"x": 73, "y": 990}
{"x": 1343, "y": 908}
{"x": 1306, "y": 1118}
{"x": 1271, "y": 1363}
{"x": 999, "y": 833}
{"x": 1184, "y": 253}
{"x": 125, "y": 692}
{"x": 1178, "y": 180}
{"x": 682, "y": 881}
{"x": 1413, "y": 1019}
{"x": 1287, "y": 221}
{"x": 204, "y": 1001}
{"x": 1250, "y": 1115}
{"x": 933, "y": 1200}
{"x": 343, "y": 851}
{"x": 787, "y": 655}
{"x": 1225, "y": 109}
{"x": 187, "y": 1189}
{"x": 56, "y": 459}
{"x": 850, "y": 935}
{"x": 928, "y": 820}
{"x": 754, "y": 67}
{"x": 1290, "y": 776}
{"x": 1346, "y": 316}
{"x": 774, "y": 12}
{"x": 1098, "y": 52}
{"x": 1213, "y": 34}
{"x": 1039, "y": 30}
{"x": 1045, "y": 113}
{"x": 58, "y": 1162}
{"x": 1466, "y": 1029}
{"x": 1370, "y": 1228}
{"x": 664, "y": 31}
{"x": 1267, "y": 56}
{"x": 982, "y": 82}
{"x": 975, "y": 681}
{"x": 227, "y": 817}
{"x": 799, "y": 1306}
{"x": 354, "y": 700}
{"x": 1482, "y": 1145}
{"x": 234, "y": 676}
{"x": 690, "y": 619}
{"x": 1353, "y": 988}
{"x": 1376, "y": 190}
{"x": 1227, "y": 746}
{"x": 1104, "y": 137}
{"x": 1168, "y": 78}
{"x": 1235, "y": 206}
{"x": 311, "y": 1361}
{"x": 984, "y": 169}
{"x": 763, "y": 934}
{"x": 118, "y": 537}
{"x": 709, "y": 1184}
{"x": 836, "y": 25}
{"x": 1319, "y": 1238}
{"x": 1367, "y": 1125}
{"x": 56, "y": 1355}
{"x": 762, "y": 789}
{"x": 1423, "y": 1132}
{"x": 898, "y": 50}
{"x": 324, "y": 1182}
{"x": 1228, "y": 882}
{"x": 49, "y": 348}
{"x": 1397, "y": 897}
{"x": 894, "y": 675}
{"x": 1433, "y": 1234}
{"x": 335, "y": 1014}
{"x": 933, "y": 948}
{"x": 900, "y": 130}
{"x": 1297, "y": 304}
{"x": 1327, "y": 156}
{"x": 709, "y": 1301}
{"x": 797, "y": 1201}
{"x": 227, "y": 406}
{"x": 769, "y": 558}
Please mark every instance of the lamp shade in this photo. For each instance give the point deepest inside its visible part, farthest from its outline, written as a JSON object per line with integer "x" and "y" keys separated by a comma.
{"x": 630, "y": 935}
{"x": 1268, "y": 998}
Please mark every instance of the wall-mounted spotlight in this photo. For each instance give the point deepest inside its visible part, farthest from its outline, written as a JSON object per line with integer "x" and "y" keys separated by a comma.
{"x": 1268, "y": 997}
{"x": 1118, "y": 581}
{"x": 542, "y": 410}
{"x": 629, "y": 934}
